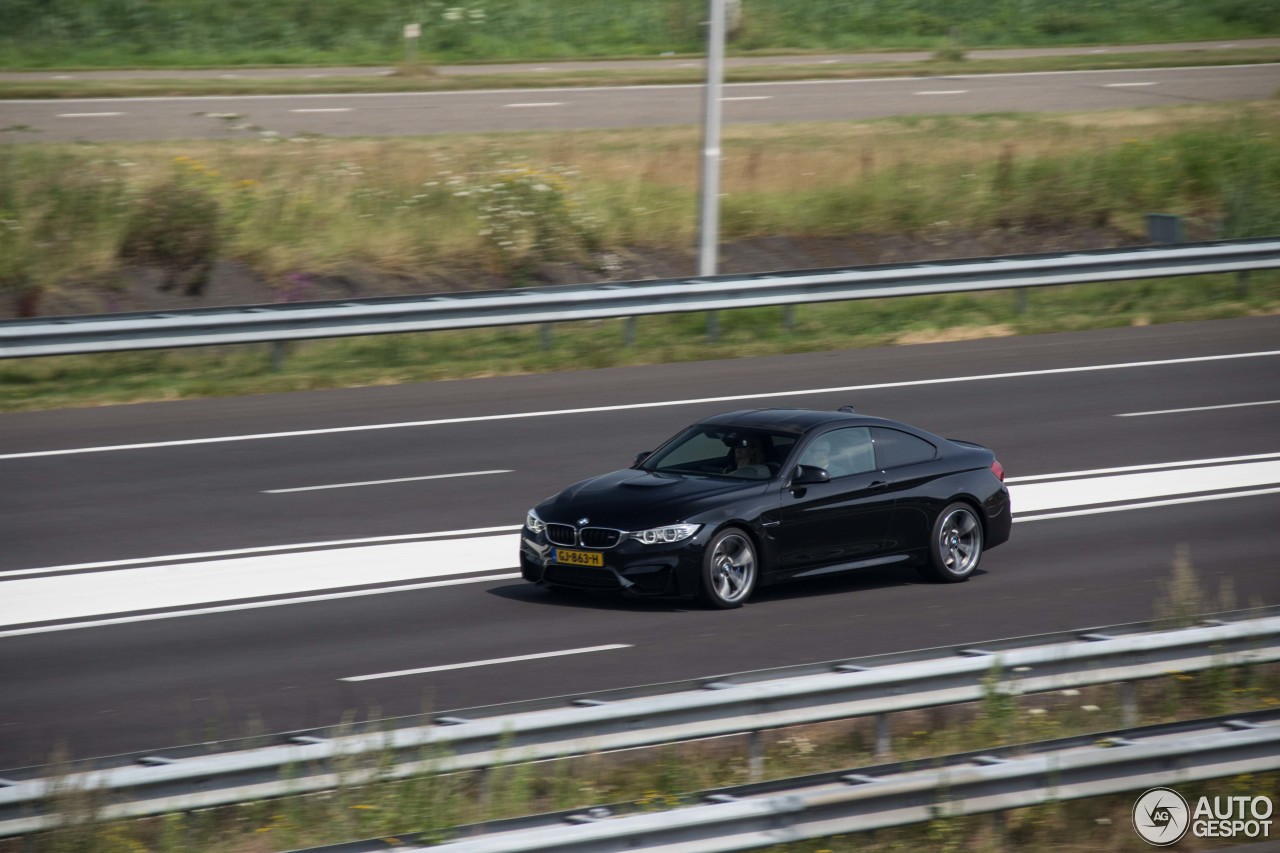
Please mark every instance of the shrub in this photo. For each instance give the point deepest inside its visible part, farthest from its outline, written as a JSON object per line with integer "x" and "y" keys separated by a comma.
{"x": 175, "y": 226}
{"x": 531, "y": 214}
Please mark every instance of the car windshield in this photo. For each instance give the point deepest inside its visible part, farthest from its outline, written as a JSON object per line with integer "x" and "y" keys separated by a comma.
{"x": 722, "y": 451}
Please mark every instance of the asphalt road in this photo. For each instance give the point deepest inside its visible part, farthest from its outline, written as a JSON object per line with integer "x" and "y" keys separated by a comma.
{"x": 126, "y": 625}
{"x": 397, "y": 114}
{"x": 560, "y": 67}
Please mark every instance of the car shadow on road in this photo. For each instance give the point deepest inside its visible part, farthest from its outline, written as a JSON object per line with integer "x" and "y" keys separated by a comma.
{"x": 865, "y": 580}
{"x": 853, "y": 582}
{"x": 527, "y": 593}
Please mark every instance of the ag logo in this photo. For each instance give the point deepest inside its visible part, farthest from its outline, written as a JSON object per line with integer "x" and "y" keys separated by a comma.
{"x": 1161, "y": 816}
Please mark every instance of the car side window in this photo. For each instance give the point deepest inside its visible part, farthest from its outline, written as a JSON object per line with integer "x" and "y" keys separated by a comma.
{"x": 895, "y": 447}
{"x": 841, "y": 452}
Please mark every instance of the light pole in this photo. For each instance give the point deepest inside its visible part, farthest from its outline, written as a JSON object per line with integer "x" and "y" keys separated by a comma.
{"x": 709, "y": 202}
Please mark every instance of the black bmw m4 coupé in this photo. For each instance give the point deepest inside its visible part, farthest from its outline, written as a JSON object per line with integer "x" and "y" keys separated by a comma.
{"x": 750, "y": 498}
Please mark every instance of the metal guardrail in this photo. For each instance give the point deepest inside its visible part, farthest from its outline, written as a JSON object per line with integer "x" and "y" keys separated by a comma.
{"x": 310, "y": 764}
{"x": 751, "y": 816}
{"x": 303, "y": 320}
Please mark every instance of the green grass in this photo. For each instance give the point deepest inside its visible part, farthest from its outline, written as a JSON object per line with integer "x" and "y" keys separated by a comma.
{"x": 40, "y": 33}
{"x": 296, "y": 211}
{"x": 428, "y": 806}
{"x": 390, "y": 359}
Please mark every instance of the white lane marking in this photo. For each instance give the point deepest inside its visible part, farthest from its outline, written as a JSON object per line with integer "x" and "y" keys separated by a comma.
{"x": 1136, "y": 487}
{"x": 511, "y": 528}
{"x": 253, "y": 605}
{"x": 1198, "y": 409}
{"x": 633, "y": 406}
{"x": 538, "y": 104}
{"x": 82, "y": 596}
{"x": 490, "y": 662}
{"x": 265, "y": 549}
{"x": 182, "y": 588}
{"x": 88, "y": 115}
{"x": 654, "y": 87}
{"x": 943, "y": 92}
{"x": 1190, "y": 463}
{"x": 750, "y": 98}
{"x": 1146, "y": 505}
{"x": 383, "y": 482}
{"x": 323, "y": 110}
{"x": 1126, "y": 85}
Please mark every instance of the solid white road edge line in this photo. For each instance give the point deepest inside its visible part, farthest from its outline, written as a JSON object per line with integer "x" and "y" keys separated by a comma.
{"x": 1147, "y": 505}
{"x": 265, "y": 549}
{"x": 150, "y": 617}
{"x": 253, "y": 605}
{"x": 29, "y": 601}
{"x": 490, "y": 662}
{"x": 383, "y": 482}
{"x": 86, "y": 597}
{"x": 483, "y": 531}
{"x": 1191, "y": 463}
{"x": 632, "y": 406}
{"x": 1065, "y": 494}
{"x": 1198, "y": 409}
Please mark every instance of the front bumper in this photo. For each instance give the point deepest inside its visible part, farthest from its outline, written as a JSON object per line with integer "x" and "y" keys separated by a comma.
{"x": 629, "y": 567}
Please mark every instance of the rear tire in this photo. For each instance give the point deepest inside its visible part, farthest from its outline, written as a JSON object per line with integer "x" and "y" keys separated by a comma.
{"x": 730, "y": 568}
{"x": 955, "y": 546}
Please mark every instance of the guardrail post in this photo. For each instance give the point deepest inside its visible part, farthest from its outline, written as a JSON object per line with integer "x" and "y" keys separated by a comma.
{"x": 629, "y": 332}
{"x": 1020, "y": 305}
{"x": 1242, "y": 284}
{"x": 755, "y": 756}
{"x": 544, "y": 336}
{"x": 789, "y": 319}
{"x": 278, "y": 350}
{"x": 713, "y": 327}
{"x": 999, "y": 828}
{"x": 1128, "y": 704}
{"x": 884, "y": 736}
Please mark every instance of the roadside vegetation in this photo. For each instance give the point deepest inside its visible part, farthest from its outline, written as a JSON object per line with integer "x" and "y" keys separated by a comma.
{"x": 104, "y": 227}
{"x": 428, "y": 807}
{"x": 173, "y": 33}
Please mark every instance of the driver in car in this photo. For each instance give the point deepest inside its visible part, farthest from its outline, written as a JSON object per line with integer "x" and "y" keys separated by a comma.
{"x": 746, "y": 452}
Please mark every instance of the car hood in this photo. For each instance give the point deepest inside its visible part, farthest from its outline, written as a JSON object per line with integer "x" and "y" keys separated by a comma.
{"x": 635, "y": 500}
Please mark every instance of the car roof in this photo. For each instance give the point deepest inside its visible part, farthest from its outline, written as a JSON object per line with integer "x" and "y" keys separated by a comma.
{"x": 796, "y": 421}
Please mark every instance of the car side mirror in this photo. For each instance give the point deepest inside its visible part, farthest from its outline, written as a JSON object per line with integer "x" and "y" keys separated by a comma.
{"x": 809, "y": 475}
{"x": 641, "y": 456}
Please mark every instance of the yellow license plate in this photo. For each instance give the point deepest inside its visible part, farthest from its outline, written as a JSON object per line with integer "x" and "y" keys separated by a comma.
{"x": 578, "y": 558}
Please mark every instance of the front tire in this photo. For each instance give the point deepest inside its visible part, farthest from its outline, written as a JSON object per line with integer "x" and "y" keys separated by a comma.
{"x": 955, "y": 546}
{"x": 730, "y": 569}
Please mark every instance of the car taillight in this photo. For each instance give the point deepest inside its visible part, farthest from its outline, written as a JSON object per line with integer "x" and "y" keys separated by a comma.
{"x": 997, "y": 469}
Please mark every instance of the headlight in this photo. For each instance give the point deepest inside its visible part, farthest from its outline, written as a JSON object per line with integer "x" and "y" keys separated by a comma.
{"x": 665, "y": 535}
{"x": 535, "y": 524}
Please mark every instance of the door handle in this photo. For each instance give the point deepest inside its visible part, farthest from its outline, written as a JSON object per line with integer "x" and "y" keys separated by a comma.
{"x": 878, "y": 486}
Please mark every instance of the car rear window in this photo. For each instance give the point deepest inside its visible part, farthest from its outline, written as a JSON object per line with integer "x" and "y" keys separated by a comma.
{"x": 895, "y": 448}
